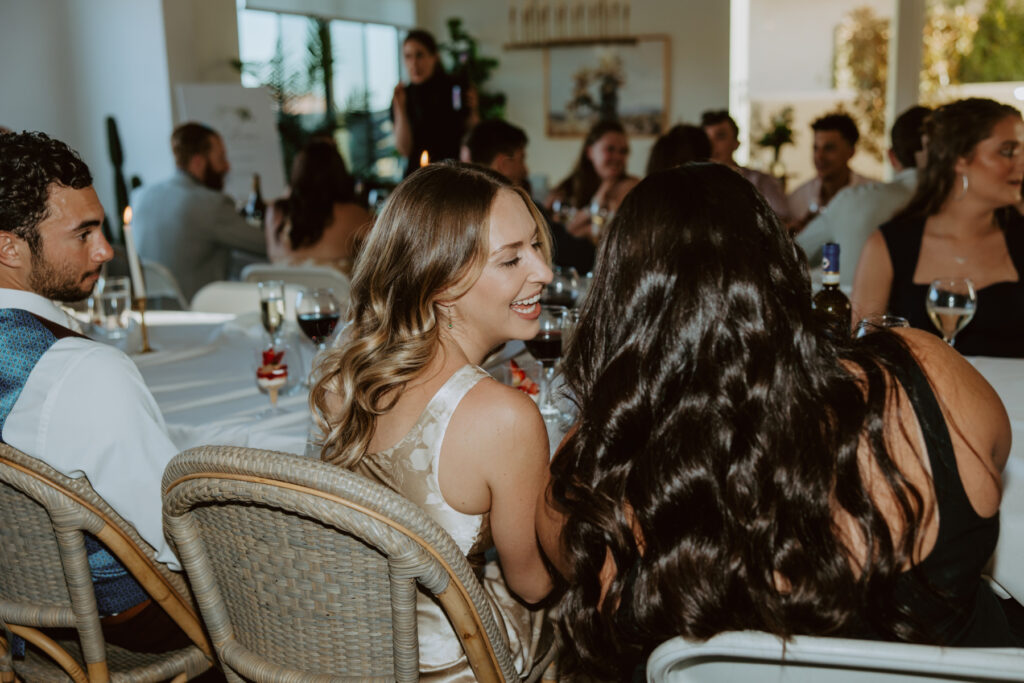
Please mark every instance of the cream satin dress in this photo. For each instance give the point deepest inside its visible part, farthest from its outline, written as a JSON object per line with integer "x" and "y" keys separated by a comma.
{"x": 411, "y": 467}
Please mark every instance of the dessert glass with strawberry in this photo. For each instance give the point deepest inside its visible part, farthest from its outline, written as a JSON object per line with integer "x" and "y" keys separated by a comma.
{"x": 272, "y": 375}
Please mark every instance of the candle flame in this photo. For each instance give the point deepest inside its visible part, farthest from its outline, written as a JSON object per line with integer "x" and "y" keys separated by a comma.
{"x": 127, "y": 215}
{"x": 424, "y": 158}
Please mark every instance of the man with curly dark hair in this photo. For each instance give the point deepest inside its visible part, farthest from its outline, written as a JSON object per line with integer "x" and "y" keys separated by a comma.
{"x": 77, "y": 405}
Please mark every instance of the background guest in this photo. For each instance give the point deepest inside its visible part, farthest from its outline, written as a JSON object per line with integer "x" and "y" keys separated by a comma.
{"x": 680, "y": 145}
{"x": 735, "y": 467}
{"x": 835, "y": 142}
{"x": 724, "y": 135}
{"x": 433, "y": 112}
{"x": 959, "y": 223}
{"x": 319, "y": 221}
{"x": 77, "y": 405}
{"x": 856, "y": 212}
{"x": 454, "y": 267}
{"x": 599, "y": 179}
{"x": 501, "y": 147}
{"x": 186, "y": 222}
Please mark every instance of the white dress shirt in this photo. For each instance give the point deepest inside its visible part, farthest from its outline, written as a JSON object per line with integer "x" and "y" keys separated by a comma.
{"x": 801, "y": 199}
{"x": 850, "y": 218}
{"x": 85, "y": 411}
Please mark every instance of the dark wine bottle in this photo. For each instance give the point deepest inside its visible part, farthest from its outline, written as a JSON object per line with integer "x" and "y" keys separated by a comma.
{"x": 255, "y": 208}
{"x": 830, "y": 299}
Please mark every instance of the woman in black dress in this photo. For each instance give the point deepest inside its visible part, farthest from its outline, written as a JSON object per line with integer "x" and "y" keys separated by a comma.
{"x": 433, "y": 112}
{"x": 735, "y": 466}
{"x": 960, "y": 223}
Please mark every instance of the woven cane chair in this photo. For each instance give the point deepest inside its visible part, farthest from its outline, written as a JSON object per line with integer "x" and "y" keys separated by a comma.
{"x": 45, "y": 582}
{"x": 304, "y": 571}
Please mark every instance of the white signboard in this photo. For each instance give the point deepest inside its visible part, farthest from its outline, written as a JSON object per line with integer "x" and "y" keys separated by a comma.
{"x": 245, "y": 120}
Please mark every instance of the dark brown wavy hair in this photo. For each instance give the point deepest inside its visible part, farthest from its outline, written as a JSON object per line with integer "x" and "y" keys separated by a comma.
{"x": 581, "y": 185}
{"x": 954, "y": 131}
{"x": 718, "y": 436}
{"x": 319, "y": 180}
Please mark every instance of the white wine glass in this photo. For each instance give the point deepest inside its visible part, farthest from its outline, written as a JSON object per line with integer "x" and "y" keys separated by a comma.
{"x": 272, "y": 308}
{"x": 951, "y": 303}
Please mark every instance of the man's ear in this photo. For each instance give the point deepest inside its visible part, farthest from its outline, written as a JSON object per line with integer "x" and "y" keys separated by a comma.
{"x": 13, "y": 250}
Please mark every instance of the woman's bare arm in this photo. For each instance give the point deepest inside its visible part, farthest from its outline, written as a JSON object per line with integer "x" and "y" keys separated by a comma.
{"x": 872, "y": 282}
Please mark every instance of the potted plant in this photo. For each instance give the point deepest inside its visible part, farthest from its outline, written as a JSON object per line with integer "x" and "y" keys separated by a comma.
{"x": 778, "y": 133}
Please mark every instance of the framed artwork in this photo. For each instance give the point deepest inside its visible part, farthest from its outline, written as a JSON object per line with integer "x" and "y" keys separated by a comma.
{"x": 587, "y": 82}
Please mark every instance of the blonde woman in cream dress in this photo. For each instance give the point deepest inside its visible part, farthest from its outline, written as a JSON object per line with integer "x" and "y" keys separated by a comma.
{"x": 453, "y": 267}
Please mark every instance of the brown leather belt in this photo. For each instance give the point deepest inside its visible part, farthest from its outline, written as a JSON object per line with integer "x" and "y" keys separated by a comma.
{"x": 124, "y": 616}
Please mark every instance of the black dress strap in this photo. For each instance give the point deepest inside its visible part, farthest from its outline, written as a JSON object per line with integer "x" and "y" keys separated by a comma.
{"x": 951, "y": 498}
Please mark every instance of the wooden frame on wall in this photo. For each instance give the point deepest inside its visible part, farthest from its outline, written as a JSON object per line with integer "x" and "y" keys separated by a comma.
{"x": 630, "y": 81}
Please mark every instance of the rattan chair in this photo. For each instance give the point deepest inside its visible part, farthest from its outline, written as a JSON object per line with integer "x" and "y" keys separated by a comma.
{"x": 45, "y": 582}
{"x": 304, "y": 571}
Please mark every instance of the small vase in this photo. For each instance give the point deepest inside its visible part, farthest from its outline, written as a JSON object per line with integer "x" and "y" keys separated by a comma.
{"x": 778, "y": 170}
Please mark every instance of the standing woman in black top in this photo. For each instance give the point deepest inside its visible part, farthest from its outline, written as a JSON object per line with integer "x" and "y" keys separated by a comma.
{"x": 959, "y": 223}
{"x": 433, "y": 112}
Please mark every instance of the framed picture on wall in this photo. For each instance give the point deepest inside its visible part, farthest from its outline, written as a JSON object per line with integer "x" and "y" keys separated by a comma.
{"x": 628, "y": 81}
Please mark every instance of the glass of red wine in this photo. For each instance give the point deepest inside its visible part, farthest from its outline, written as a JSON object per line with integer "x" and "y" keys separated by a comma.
{"x": 317, "y": 312}
{"x": 546, "y": 347}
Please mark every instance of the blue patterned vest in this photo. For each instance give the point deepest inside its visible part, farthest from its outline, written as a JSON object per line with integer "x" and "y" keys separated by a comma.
{"x": 24, "y": 338}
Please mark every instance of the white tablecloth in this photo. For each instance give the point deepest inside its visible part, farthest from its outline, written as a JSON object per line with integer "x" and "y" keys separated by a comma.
{"x": 203, "y": 377}
{"x": 1006, "y": 375}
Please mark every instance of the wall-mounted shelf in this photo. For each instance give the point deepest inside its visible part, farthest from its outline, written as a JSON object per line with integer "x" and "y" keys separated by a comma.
{"x": 571, "y": 42}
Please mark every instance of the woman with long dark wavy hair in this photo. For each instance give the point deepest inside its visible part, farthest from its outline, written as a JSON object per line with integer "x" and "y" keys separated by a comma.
{"x": 736, "y": 467}
{"x": 319, "y": 222}
{"x": 959, "y": 223}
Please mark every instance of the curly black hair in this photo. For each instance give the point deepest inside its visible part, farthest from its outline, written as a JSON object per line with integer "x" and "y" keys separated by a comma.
{"x": 30, "y": 162}
{"x": 718, "y": 436}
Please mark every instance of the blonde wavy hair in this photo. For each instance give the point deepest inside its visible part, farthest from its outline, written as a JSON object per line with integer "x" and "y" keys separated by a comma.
{"x": 429, "y": 245}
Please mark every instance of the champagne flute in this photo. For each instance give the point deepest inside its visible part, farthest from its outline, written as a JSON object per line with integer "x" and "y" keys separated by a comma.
{"x": 318, "y": 312}
{"x": 272, "y": 307}
{"x": 546, "y": 347}
{"x": 951, "y": 304}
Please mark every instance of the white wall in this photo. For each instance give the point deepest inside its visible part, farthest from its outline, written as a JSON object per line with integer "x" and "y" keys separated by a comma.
{"x": 699, "y": 31}
{"x": 792, "y": 42}
{"x": 69, "y": 64}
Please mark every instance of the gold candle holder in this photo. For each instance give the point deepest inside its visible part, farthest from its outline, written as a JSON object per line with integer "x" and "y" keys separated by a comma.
{"x": 140, "y": 306}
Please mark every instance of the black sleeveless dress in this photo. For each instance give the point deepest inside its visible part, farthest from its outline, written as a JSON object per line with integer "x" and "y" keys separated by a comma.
{"x": 997, "y": 328}
{"x": 946, "y": 592}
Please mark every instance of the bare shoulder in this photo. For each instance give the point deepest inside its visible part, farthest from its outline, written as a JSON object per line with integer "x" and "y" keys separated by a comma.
{"x": 968, "y": 400}
{"x": 501, "y": 406}
{"x": 496, "y": 420}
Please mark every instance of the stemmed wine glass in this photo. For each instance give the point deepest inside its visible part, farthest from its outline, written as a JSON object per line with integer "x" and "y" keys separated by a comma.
{"x": 951, "y": 304}
{"x": 876, "y": 322}
{"x": 318, "y": 312}
{"x": 546, "y": 347}
{"x": 272, "y": 308}
{"x": 563, "y": 289}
